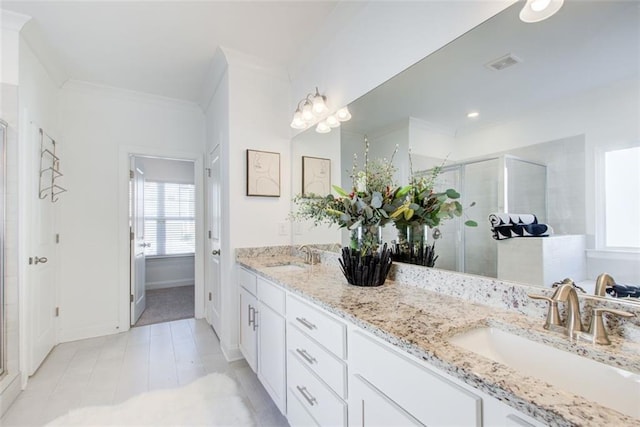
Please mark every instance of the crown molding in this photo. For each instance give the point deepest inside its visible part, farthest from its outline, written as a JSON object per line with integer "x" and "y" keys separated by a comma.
{"x": 12, "y": 21}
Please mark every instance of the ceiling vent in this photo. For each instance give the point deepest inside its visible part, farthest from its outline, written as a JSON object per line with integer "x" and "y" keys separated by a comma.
{"x": 503, "y": 62}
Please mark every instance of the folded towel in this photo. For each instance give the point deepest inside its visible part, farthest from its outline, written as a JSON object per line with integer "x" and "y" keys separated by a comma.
{"x": 521, "y": 230}
{"x": 624, "y": 291}
{"x": 499, "y": 219}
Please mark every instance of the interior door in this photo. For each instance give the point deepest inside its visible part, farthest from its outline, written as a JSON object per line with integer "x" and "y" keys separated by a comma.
{"x": 214, "y": 288}
{"x": 41, "y": 283}
{"x": 138, "y": 245}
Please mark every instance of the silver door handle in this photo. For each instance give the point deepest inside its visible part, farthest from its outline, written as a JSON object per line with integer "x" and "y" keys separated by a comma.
{"x": 38, "y": 260}
{"x": 215, "y": 252}
{"x": 306, "y": 356}
{"x": 308, "y": 397}
{"x": 306, "y": 323}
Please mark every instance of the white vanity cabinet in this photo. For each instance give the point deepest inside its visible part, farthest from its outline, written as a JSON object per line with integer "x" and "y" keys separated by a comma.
{"x": 272, "y": 342}
{"x": 262, "y": 333}
{"x": 316, "y": 366}
{"x": 321, "y": 370}
{"x": 248, "y": 339}
{"x": 396, "y": 388}
{"x": 388, "y": 387}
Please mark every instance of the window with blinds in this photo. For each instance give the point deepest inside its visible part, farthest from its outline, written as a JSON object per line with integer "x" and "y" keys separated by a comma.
{"x": 169, "y": 218}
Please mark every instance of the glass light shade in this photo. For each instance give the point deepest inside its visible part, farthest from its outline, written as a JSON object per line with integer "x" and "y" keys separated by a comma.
{"x": 332, "y": 121}
{"x": 298, "y": 122}
{"x": 323, "y": 127}
{"x": 343, "y": 114}
{"x": 307, "y": 111}
{"x": 319, "y": 104}
{"x": 539, "y": 10}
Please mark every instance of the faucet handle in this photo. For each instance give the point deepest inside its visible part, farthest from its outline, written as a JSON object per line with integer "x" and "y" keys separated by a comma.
{"x": 553, "y": 315}
{"x": 597, "y": 332}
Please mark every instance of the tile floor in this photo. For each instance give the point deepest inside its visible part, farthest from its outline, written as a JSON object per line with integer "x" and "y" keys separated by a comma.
{"x": 106, "y": 370}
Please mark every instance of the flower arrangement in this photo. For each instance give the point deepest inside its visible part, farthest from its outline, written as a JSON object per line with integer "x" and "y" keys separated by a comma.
{"x": 417, "y": 208}
{"x": 374, "y": 201}
{"x": 363, "y": 210}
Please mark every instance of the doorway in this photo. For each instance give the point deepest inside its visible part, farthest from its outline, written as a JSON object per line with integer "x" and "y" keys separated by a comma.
{"x": 162, "y": 221}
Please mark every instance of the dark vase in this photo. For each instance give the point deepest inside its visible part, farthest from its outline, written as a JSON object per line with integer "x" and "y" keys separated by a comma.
{"x": 413, "y": 246}
{"x": 365, "y": 262}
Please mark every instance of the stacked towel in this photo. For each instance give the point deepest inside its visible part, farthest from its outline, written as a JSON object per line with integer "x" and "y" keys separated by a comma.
{"x": 624, "y": 291}
{"x": 507, "y": 226}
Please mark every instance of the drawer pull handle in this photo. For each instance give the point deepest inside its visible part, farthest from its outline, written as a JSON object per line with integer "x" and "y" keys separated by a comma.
{"x": 306, "y": 356}
{"x": 250, "y": 319}
{"x": 255, "y": 323}
{"x": 308, "y": 397}
{"x": 306, "y": 323}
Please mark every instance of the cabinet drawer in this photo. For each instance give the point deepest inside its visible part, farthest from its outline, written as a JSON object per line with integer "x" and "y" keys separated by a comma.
{"x": 327, "y": 331}
{"x": 328, "y": 367}
{"x": 247, "y": 280}
{"x": 271, "y": 295}
{"x": 326, "y": 408}
{"x": 297, "y": 415}
{"x": 430, "y": 398}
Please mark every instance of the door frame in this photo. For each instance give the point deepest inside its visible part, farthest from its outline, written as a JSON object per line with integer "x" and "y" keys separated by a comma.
{"x": 124, "y": 306}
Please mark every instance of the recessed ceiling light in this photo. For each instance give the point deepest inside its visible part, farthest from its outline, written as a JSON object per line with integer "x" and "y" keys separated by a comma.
{"x": 473, "y": 114}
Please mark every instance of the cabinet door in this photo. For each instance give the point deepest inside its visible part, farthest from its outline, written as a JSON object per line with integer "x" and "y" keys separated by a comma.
{"x": 369, "y": 407}
{"x": 272, "y": 354}
{"x": 248, "y": 328}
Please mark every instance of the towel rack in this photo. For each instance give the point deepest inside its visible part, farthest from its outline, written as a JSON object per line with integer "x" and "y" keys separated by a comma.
{"x": 49, "y": 171}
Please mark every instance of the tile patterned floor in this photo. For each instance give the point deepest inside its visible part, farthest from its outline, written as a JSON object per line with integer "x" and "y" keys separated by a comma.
{"x": 106, "y": 370}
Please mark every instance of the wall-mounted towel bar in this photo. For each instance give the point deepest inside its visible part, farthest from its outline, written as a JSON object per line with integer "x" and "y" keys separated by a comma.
{"x": 49, "y": 170}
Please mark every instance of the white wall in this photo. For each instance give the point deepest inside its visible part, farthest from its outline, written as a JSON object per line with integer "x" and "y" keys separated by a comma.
{"x": 380, "y": 40}
{"x": 169, "y": 272}
{"x": 101, "y": 126}
{"x": 167, "y": 170}
{"x": 314, "y": 144}
{"x": 248, "y": 110}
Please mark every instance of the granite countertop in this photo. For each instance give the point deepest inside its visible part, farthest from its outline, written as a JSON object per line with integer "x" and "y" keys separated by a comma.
{"x": 420, "y": 322}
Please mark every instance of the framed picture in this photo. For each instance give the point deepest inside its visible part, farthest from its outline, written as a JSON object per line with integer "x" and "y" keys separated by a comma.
{"x": 263, "y": 173}
{"x": 316, "y": 176}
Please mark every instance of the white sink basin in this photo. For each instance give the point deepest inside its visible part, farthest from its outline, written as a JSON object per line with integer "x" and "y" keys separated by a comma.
{"x": 283, "y": 268}
{"x": 612, "y": 387}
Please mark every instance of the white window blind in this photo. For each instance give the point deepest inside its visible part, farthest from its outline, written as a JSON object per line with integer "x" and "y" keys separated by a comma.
{"x": 169, "y": 218}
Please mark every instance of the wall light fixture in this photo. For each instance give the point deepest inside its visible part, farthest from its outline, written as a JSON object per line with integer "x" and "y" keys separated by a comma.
{"x": 313, "y": 109}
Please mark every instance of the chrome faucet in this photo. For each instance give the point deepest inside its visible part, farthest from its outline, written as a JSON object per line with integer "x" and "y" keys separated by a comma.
{"x": 308, "y": 254}
{"x": 604, "y": 282}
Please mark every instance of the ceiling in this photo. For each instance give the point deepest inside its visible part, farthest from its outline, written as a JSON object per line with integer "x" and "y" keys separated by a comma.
{"x": 163, "y": 47}
{"x": 584, "y": 46}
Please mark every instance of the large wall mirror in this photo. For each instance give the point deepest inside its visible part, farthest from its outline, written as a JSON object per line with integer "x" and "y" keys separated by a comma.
{"x": 3, "y": 139}
{"x": 556, "y": 134}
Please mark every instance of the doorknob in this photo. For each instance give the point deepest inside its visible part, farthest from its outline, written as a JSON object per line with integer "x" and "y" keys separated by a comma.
{"x": 215, "y": 252}
{"x": 38, "y": 260}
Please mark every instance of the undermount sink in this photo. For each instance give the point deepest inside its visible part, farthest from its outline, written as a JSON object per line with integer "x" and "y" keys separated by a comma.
{"x": 609, "y": 386}
{"x": 286, "y": 267}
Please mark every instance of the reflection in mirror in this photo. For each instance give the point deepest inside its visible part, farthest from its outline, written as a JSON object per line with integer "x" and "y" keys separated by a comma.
{"x": 3, "y": 133}
{"x": 538, "y": 144}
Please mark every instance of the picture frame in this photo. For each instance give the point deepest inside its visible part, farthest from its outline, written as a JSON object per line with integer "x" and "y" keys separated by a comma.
{"x": 263, "y": 173}
{"x": 316, "y": 176}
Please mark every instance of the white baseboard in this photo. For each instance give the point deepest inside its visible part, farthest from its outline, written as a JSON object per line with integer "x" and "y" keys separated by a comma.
{"x": 169, "y": 284}
{"x": 10, "y": 391}
{"x": 91, "y": 332}
{"x": 231, "y": 354}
